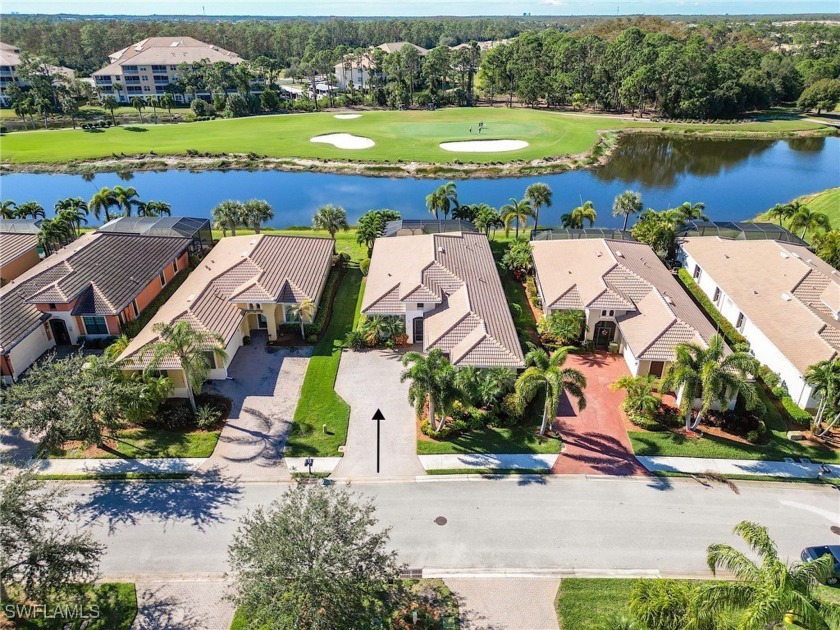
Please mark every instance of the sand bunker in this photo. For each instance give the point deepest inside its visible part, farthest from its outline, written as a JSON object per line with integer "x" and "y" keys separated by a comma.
{"x": 484, "y": 146}
{"x": 347, "y": 116}
{"x": 344, "y": 141}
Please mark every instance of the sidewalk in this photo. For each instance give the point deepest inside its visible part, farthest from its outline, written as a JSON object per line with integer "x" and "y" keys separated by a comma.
{"x": 475, "y": 461}
{"x": 115, "y": 466}
{"x": 696, "y": 465}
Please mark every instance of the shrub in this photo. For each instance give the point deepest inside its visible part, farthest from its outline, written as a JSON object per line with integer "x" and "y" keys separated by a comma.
{"x": 726, "y": 327}
{"x": 797, "y": 413}
{"x": 200, "y": 107}
{"x": 175, "y": 413}
{"x": 364, "y": 266}
{"x": 355, "y": 340}
{"x": 206, "y": 417}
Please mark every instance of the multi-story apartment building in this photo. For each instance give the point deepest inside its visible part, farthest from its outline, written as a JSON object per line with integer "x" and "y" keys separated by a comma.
{"x": 9, "y": 62}
{"x": 149, "y": 66}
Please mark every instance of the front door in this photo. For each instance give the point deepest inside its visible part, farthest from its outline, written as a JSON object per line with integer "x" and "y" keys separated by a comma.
{"x": 604, "y": 334}
{"x": 262, "y": 322}
{"x": 59, "y": 332}
{"x": 417, "y": 329}
{"x": 657, "y": 368}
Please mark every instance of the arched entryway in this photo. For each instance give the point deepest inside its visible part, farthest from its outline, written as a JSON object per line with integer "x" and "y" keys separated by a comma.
{"x": 604, "y": 333}
{"x": 59, "y": 332}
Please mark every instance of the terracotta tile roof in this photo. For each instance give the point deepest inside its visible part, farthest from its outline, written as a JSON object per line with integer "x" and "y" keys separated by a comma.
{"x": 281, "y": 267}
{"x": 780, "y": 288}
{"x": 10, "y": 56}
{"x": 169, "y": 51}
{"x": 13, "y": 246}
{"x": 625, "y": 276}
{"x": 456, "y": 271}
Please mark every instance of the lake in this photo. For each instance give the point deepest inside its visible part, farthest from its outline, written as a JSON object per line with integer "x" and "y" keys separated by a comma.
{"x": 736, "y": 179}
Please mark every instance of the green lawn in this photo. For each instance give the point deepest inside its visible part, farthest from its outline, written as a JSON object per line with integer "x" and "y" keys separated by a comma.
{"x": 827, "y": 202}
{"x": 345, "y": 241}
{"x": 117, "y": 606}
{"x": 319, "y": 404}
{"x": 491, "y": 440}
{"x": 406, "y": 135}
{"x": 152, "y": 443}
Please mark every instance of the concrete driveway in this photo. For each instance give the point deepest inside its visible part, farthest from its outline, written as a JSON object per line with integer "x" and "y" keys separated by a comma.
{"x": 264, "y": 385}
{"x": 369, "y": 381}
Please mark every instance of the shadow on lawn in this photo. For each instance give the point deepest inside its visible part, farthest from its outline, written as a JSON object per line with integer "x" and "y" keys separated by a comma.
{"x": 201, "y": 501}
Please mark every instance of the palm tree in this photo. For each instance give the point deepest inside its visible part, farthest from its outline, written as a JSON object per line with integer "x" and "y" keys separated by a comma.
{"x": 30, "y": 209}
{"x": 487, "y": 218}
{"x": 688, "y": 211}
{"x": 332, "y": 219}
{"x": 8, "y": 209}
{"x": 442, "y": 200}
{"x": 539, "y": 195}
{"x": 711, "y": 375}
{"x": 194, "y": 349}
{"x": 576, "y": 218}
{"x": 139, "y": 104}
{"x": 125, "y": 197}
{"x": 768, "y": 593}
{"x": 516, "y": 210}
{"x": 546, "y": 373}
{"x": 824, "y": 378}
{"x": 109, "y": 103}
{"x": 641, "y": 397}
{"x": 167, "y": 101}
{"x": 117, "y": 347}
{"x": 53, "y": 234}
{"x": 73, "y": 218}
{"x": 228, "y": 215}
{"x": 153, "y": 209}
{"x": 74, "y": 210}
{"x": 303, "y": 312}
{"x": 255, "y": 212}
{"x": 102, "y": 201}
{"x": 627, "y": 203}
{"x": 808, "y": 219}
{"x": 782, "y": 211}
{"x": 432, "y": 379}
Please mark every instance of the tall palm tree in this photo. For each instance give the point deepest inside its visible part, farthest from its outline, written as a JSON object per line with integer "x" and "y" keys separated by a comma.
{"x": 539, "y": 195}
{"x": 255, "y": 212}
{"x": 228, "y": 215}
{"x": 74, "y": 210}
{"x": 487, "y": 218}
{"x": 432, "y": 379}
{"x": 711, "y": 375}
{"x": 547, "y": 373}
{"x": 808, "y": 220}
{"x": 768, "y": 593}
{"x": 332, "y": 219}
{"x": 73, "y": 218}
{"x": 8, "y": 209}
{"x": 576, "y": 218}
{"x": 110, "y": 103}
{"x": 102, "y": 201}
{"x": 783, "y": 211}
{"x": 824, "y": 377}
{"x": 139, "y": 104}
{"x": 516, "y": 210}
{"x": 627, "y": 203}
{"x": 153, "y": 209}
{"x": 303, "y": 312}
{"x": 692, "y": 211}
{"x": 192, "y": 348}
{"x": 30, "y": 209}
{"x": 167, "y": 101}
{"x": 53, "y": 234}
{"x": 442, "y": 200}
{"x": 125, "y": 197}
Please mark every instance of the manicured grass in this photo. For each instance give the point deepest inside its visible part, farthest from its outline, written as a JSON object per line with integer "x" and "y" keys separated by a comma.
{"x": 583, "y": 603}
{"x": 319, "y": 404}
{"x": 491, "y": 440}
{"x": 406, "y": 135}
{"x": 827, "y": 202}
{"x": 117, "y": 606}
{"x": 345, "y": 242}
{"x": 523, "y": 316}
{"x": 152, "y": 443}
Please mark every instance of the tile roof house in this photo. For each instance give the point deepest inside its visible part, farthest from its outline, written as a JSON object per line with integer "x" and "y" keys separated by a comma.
{"x": 447, "y": 288}
{"x": 782, "y": 297}
{"x": 245, "y": 283}
{"x": 356, "y": 70}
{"x": 629, "y": 298}
{"x": 9, "y": 62}
{"x": 87, "y": 289}
{"x": 149, "y": 66}
{"x": 18, "y": 247}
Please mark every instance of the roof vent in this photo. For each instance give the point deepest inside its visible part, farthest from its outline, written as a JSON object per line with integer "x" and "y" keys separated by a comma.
{"x": 597, "y": 253}
{"x": 190, "y": 297}
{"x": 795, "y": 255}
{"x": 787, "y": 297}
{"x": 619, "y": 254}
{"x": 784, "y": 254}
{"x": 440, "y": 249}
{"x": 668, "y": 298}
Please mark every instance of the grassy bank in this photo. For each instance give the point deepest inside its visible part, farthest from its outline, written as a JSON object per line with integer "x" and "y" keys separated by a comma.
{"x": 149, "y": 443}
{"x": 116, "y": 604}
{"x": 399, "y": 136}
{"x": 345, "y": 241}
{"x": 491, "y": 440}
{"x": 319, "y": 404}
{"x": 826, "y": 201}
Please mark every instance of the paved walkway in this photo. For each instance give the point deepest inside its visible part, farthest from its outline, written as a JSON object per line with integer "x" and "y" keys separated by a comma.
{"x": 185, "y": 605}
{"x": 506, "y": 603}
{"x": 115, "y": 466}
{"x": 16, "y": 447}
{"x": 699, "y": 465}
{"x": 264, "y": 386}
{"x": 369, "y": 381}
{"x": 469, "y": 461}
{"x": 595, "y": 439}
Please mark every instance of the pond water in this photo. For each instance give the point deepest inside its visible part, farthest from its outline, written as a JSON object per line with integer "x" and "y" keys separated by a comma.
{"x": 736, "y": 179}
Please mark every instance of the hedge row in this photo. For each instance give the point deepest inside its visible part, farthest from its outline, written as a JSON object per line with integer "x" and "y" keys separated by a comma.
{"x": 729, "y": 331}
{"x": 133, "y": 327}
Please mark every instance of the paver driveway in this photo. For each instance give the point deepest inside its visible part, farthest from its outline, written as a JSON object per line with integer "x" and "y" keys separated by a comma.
{"x": 506, "y": 603}
{"x": 264, "y": 386}
{"x": 369, "y": 381}
{"x": 595, "y": 439}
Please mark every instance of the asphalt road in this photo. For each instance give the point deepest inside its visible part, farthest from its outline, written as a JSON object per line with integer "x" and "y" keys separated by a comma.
{"x": 182, "y": 529}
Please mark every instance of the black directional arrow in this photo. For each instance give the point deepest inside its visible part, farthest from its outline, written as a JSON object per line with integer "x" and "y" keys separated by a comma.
{"x": 379, "y": 418}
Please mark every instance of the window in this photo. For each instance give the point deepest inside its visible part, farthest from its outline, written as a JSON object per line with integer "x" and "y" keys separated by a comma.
{"x": 604, "y": 313}
{"x": 162, "y": 277}
{"x": 211, "y": 358}
{"x": 421, "y": 305}
{"x": 136, "y": 308}
{"x": 740, "y": 323}
{"x": 697, "y": 272}
{"x": 52, "y": 306}
{"x": 717, "y": 296}
{"x": 95, "y": 325}
{"x": 175, "y": 266}
{"x": 121, "y": 319}
{"x": 292, "y": 316}
{"x": 612, "y": 313}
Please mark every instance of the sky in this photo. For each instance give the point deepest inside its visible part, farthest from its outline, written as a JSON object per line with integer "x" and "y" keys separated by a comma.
{"x": 417, "y": 7}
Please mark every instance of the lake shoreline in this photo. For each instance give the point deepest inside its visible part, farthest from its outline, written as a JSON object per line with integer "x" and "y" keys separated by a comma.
{"x": 598, "y": 155}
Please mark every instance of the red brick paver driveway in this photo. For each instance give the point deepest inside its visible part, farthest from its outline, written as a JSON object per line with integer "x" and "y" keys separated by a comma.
{"x": 595, "y": 439}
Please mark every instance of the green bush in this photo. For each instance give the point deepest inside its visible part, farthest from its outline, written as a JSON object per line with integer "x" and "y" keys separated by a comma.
{"x": 728, "y": 330}
{"x": 797, "y": 413}
{"x": 364, "y": 266}
{"x": 133, "y": 327}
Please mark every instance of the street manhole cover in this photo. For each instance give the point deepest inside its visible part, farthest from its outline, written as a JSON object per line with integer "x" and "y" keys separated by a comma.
{"x": 835, "y": 530}
{"x": 440, "y": 520}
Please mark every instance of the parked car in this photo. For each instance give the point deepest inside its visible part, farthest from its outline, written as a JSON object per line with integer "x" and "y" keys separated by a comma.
{"x": 812, "y": 553}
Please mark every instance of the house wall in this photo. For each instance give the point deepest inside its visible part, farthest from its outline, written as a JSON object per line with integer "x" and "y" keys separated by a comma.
{"x": 761, "y": 347}
{"x": 359, "y": 76}
{"x": 14, "y": 268}
{"x": 25, "y": 353}
{"x": 62, "y": 312}
{"x": 412, "y": 311}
